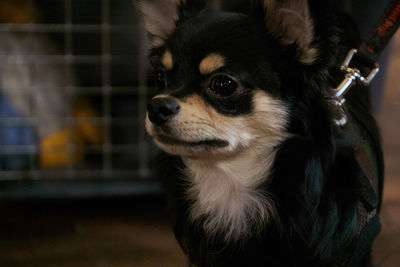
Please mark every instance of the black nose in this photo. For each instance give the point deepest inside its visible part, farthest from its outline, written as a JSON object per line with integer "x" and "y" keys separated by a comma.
{"x": 162, "y": 109}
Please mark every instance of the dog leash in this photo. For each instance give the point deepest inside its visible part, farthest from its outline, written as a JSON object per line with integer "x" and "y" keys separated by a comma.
{"x": 368, "y": 54}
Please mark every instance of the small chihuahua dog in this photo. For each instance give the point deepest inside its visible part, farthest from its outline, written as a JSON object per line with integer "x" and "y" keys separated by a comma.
{"x": 257, "y": 169}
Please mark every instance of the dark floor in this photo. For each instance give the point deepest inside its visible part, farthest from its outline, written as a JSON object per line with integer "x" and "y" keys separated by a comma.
{"x": 91, "y": 232}
{"x": 134, "y": 232}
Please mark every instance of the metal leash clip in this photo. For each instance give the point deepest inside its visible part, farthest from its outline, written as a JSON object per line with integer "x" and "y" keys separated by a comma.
{"x": 353, "y": 76}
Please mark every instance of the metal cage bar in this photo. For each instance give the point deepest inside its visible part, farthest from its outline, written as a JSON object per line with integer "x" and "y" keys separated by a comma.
{"x": 107, "y": 90}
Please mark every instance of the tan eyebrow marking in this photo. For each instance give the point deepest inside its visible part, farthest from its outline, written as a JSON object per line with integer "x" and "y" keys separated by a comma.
{"x": 167, "y": 60}
{"x": 211, "y": 63}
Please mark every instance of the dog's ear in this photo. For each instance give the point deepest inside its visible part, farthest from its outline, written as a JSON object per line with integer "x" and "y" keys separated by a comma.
{"x": 290, "y": 23}
{"x": 188, "y": 8}
{"x": 161, "y": 16}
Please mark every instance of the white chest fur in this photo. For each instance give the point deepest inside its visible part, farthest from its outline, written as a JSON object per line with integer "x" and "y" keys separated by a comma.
{"x": 228, "y": 196}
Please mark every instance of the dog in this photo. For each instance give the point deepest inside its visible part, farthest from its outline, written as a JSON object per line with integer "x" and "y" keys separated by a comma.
{"x": 257, "y": 169}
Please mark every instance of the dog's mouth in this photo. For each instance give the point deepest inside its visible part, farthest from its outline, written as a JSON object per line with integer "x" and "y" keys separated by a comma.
{"x": 168, "y": 140}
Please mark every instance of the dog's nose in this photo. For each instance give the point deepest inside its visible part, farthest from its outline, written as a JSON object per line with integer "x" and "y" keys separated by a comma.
{"x": 162, "y": 109}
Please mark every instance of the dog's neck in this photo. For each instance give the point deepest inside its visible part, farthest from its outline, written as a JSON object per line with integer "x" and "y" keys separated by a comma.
{"x": 228, "y": 194}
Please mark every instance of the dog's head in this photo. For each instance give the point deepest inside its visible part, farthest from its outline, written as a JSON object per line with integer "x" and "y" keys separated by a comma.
{"x": 221, "y": 76}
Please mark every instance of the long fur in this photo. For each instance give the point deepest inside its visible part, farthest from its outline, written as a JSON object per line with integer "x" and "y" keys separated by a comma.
{"x": 285, "y": 191}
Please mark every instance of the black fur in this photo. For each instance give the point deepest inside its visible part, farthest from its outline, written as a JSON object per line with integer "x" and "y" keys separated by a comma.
{"x": 314, "y": 178}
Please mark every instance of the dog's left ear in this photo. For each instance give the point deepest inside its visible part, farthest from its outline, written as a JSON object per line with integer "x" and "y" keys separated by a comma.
{"x": 161, "y": 16}
{"x": 290, "y": 23}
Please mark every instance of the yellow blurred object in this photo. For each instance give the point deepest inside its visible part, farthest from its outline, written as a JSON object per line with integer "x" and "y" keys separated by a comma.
{"x": 66, "y": 146}
{"x": 60, "y": 149}
{"x": 90, "y": 131}
{"x": 17, "y": 11}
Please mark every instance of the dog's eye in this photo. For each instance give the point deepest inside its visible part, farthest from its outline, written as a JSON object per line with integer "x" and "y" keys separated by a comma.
{"x": 223, "y": 86}
{"x": 160, "y": 79}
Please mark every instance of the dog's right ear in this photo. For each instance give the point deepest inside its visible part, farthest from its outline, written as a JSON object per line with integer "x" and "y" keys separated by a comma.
{"x": 161, "y": 16}
{"x": 289, "y": 21}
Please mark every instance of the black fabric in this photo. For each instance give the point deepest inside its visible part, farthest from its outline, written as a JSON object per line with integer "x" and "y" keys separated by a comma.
{"x": 365, "y": 13}
{"x": 369, "y": 173}
{"x": 368, "y": 151}
{"x": 371, "y": 131}
{"x": 370, "y": 161}
{"x": 367, "y": 237}
{"x": 380, "y": 34}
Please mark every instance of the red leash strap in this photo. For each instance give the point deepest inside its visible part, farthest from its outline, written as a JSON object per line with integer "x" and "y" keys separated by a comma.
{"x": 368, "y": 55}
{"x": 378, "y": 38}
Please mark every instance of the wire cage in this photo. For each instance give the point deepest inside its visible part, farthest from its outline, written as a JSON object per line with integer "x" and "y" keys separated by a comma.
{"x": 73, "y": 88}
{"x": 74, "y": 84}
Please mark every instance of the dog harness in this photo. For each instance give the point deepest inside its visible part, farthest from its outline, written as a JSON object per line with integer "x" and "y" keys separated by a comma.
{"x": 370, "y": 160}
{"x": 367, "y": 149}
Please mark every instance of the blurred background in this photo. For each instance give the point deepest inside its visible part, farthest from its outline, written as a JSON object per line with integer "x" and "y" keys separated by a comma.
{"x": 76, "y": 184}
